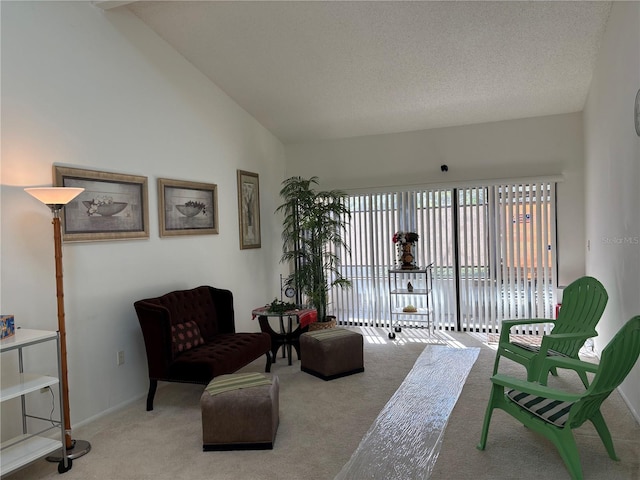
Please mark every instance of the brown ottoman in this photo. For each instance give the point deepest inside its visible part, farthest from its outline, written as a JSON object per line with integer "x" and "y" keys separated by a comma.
{"x": 331, "y": 353}
{"x": 243, "y": 418}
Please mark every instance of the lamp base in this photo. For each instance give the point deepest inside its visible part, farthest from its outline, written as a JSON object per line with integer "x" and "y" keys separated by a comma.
{"x": 79, "y": 448}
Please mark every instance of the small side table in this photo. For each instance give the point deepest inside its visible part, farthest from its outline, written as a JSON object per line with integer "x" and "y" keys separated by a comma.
{"x": 287, "y": 337}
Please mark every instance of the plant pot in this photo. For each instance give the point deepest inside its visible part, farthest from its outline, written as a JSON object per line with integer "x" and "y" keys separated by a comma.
{"x": 330, "y": 322}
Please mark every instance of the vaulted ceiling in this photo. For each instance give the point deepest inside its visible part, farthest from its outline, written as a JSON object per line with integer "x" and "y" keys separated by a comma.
{"x": 331, "y": 69}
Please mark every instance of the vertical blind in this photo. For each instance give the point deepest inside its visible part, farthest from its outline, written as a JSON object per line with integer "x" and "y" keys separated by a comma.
{"x": 493, "y": 250}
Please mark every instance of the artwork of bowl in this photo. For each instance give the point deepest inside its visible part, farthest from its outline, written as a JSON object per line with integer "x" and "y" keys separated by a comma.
{"x": 107, "y": 209}
{"x": 188, "y": 211}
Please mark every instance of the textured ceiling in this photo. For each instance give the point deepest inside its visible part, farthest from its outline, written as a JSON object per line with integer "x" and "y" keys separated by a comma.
{"x": 317, "y": 70}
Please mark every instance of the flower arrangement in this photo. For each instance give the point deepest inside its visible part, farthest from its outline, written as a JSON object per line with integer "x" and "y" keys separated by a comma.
{"x": 405, "y": 237}
{"x": 404, "y": 244}
{"x": 92, "y": 208}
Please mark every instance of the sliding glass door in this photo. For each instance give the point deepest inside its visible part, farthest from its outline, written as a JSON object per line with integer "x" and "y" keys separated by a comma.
{"x": 493, "y": 249}
{"x": 506, "y": 254}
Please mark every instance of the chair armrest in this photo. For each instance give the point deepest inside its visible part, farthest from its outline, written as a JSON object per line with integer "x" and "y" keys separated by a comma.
{"x": 565, "y": 362}
{"x": 549, "y": 340}
{"x": 507, "y": 324}
{"x": 569, "y": 336}
{"x": 534, "y": 388}
{"x": 156, "y": 332}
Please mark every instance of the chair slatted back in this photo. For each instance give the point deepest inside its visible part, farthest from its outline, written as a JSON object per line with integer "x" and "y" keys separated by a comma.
{"x": 583, "y": 303}
{"x": 616, "y": 361}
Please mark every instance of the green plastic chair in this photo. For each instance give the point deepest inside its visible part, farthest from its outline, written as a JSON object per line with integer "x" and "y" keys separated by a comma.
{"x": 583, "y": 303}
{"x": 554, "y": 413}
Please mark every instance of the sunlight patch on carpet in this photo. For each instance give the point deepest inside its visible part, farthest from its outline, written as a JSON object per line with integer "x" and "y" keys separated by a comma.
{"x": 491, "y": 341}
{"x": 380, "y": 336}
{"x": 404, "y": 441}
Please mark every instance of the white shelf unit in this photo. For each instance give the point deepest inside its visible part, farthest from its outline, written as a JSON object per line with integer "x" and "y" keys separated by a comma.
{"x": 418, "y": 295}
{"x": 23, "y": 449}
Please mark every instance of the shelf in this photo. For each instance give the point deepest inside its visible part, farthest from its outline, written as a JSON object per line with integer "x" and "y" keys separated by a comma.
{"x": 413, "y": 270}
{"x": 415, "y": 291}
{"x": 419, "y": 296}
{"x": 24, "y": 337}
{"x": 25, "y": 448}
{"x": 20, "y": 384}
{"x": 28, "y": 449}
{"x": 421, "y": 311}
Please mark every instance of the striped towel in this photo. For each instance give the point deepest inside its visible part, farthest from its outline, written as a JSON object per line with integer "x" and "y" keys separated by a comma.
{"x": 235, "y": 381}
{"x": 328, "y": 333}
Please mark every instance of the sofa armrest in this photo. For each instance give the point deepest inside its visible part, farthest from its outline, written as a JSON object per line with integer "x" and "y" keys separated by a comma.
{"x": 223, "y": 301}
{"x": 156, "y": 331}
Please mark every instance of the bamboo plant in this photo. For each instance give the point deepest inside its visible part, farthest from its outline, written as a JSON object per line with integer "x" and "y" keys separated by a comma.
{"x": 313, "y": 229}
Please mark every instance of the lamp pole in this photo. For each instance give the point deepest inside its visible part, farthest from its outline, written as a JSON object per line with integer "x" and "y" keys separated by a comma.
{"x": 56, "y": 198}
{"x": 57, "y": 242}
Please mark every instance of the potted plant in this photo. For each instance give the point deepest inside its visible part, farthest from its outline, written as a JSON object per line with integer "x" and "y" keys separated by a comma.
{"x": 313, "y": 227}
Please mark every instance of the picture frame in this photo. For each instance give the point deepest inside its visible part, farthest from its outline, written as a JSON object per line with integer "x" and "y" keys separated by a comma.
{"x": 113, "y": 206}
{"x": 249, "y": 209}
{"x": 187, "y": 208}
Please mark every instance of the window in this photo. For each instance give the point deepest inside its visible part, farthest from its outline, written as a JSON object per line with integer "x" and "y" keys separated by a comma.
{"x": 493, "y": 249}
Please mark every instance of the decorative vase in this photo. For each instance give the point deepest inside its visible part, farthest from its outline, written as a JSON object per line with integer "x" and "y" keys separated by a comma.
{"x": 407, "y": 259}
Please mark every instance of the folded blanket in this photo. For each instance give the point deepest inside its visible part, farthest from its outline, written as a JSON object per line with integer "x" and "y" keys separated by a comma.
{"x": 236, "y": 381}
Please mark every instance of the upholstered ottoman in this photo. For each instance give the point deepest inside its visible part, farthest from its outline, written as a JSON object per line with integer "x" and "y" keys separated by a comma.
{"x": 240, "y": 412}
{"x": 331, "y": 353}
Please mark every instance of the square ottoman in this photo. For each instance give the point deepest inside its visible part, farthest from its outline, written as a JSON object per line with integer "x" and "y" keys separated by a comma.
{"x": 331, "y": 353}
{"x": 240, "y": 411}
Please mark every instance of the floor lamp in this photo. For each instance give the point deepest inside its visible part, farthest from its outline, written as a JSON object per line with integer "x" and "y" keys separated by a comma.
{"x": 56, "y": 198}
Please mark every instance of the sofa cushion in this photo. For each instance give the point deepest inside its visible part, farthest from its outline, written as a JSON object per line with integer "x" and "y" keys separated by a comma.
{"x": 226, "y": 353}
{"x": 548, "y": 409}
{"x": 185, "y": 336}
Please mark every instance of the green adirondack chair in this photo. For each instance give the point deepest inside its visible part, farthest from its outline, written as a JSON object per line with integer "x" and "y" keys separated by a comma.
{"x": 554, "y": 413}
{"x": 583, "y": 302}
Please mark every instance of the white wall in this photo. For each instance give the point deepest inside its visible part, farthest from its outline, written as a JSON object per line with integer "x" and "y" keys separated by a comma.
{"x": 550, "y": 145}
{"x": 612, "y": 184}
{"x": 99, "y": 90}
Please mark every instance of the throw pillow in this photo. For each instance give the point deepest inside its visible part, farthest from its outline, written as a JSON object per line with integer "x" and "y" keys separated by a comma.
{"x": 185, "y": 336}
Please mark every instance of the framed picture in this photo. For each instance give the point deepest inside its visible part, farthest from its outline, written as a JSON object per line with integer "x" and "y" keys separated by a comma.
{"x": 249, "y": 209}
{"x": 187, "y": 208}
{"x": 113, "y": 206}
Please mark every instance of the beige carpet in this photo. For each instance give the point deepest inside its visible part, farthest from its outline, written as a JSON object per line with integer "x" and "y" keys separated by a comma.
{"x": 404, "y": 441}
{"x": 322, "y": 424}
{"x": 514, "y": 452}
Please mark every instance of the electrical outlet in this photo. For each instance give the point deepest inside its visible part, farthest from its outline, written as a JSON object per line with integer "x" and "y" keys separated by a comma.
{"x": 120, "y": 358}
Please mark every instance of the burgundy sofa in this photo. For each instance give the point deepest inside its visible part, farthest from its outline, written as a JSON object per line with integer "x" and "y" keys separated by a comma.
{"x": 190, "y": 337}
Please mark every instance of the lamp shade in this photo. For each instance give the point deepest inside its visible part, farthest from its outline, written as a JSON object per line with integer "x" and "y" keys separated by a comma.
{"x": 54, "y": 195}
